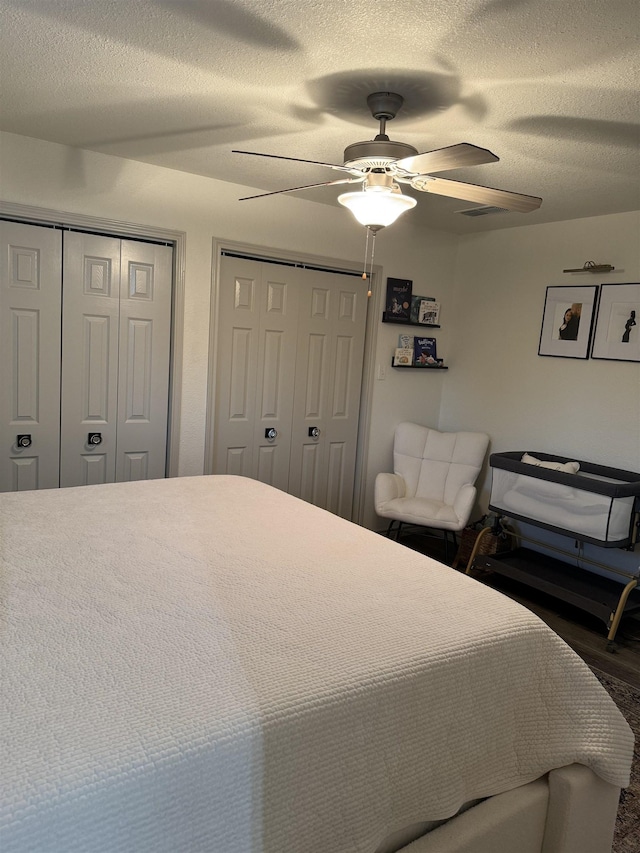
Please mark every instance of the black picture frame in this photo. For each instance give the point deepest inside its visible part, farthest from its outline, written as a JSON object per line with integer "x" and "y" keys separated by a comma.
{"x": 617, "y": 329}
{"x": 567, "y": 321}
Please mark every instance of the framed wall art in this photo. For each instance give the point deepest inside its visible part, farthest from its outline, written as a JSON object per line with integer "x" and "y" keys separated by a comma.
{"x": 567, "y": 321}
{"x": 617, "y": 335}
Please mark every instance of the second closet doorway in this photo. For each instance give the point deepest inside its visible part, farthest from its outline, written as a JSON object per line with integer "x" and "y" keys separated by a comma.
{"x": 290, "y": 352}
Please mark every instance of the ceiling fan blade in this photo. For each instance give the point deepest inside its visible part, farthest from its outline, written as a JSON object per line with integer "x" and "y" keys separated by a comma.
{"x": 295, "y": 159}
{"x": 475, "y": 193}
{"x": 452, "y": 157}
{"x": 306, "y": 187}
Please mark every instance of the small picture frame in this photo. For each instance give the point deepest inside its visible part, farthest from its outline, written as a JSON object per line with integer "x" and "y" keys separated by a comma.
{"x": 567, "y": 321}
{"x": 617, "y": 334}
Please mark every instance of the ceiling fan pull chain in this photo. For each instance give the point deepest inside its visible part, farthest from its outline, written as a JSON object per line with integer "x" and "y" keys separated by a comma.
{"x": 366, "y": 249}
{"x": 373, "y": 251}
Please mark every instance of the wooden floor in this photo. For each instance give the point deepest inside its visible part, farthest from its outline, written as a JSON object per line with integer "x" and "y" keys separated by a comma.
{"x": 586, "y": 634}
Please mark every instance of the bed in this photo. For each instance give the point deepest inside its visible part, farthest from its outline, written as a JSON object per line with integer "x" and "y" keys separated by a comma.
{"x": 209, "y": 664}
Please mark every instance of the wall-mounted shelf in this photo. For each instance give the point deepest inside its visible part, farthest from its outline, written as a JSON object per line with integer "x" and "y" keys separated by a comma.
{"x": 419, "y": 366}
{"x": 386, "y": 319}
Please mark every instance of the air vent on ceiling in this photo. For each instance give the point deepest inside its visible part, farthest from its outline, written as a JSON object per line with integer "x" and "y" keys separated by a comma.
{"x": 482, "y": 211}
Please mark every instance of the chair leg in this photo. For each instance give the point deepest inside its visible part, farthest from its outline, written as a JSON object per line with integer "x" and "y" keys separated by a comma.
{"x": 398, "y": 531}
{"x": 446, "y": 544}
{"x": 390, "y": 527}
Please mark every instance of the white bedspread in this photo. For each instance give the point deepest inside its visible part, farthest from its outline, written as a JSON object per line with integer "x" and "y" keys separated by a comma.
{"x": 208, "y": 664}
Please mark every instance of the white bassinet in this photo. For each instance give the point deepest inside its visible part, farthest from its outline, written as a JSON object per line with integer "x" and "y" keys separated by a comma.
{"x": 590, "y": 504}
{"x": 597, "y": 504}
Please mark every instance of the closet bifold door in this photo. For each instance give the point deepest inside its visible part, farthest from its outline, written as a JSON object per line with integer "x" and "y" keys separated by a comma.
{"x": 30, "y": 293}
{"x": 116, "y": 327}
{"x": 258, "y": 307}
{"x": 143, "y": 363}
{"x": 90, "y": 328}
{"x": 329, "y": 357}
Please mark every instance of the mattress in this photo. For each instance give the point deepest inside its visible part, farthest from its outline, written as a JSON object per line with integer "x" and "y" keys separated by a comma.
{"x": 207, "y": 663}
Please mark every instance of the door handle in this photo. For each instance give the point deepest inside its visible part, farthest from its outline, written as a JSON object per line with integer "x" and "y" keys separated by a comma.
{"x": 271, "y": 434}
{"x": 94, "y": 438}
{"x": 314, "y": 432}
{"x": 23, "y": 440}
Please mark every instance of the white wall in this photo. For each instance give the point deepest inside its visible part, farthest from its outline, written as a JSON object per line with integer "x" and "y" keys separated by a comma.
{"x": 51, "y": 176}
{"x": 581, "y": 409}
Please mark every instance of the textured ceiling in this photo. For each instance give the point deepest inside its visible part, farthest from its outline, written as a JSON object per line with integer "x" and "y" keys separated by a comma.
{"x": 550, "y": 86}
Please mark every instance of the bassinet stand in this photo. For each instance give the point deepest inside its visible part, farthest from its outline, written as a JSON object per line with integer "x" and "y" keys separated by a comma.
{"x": 598, "y": 595}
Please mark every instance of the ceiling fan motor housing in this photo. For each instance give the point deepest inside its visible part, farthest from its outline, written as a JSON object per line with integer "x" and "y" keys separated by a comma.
{"x": 377, "y": 153}
{"x": 384, "y": 105}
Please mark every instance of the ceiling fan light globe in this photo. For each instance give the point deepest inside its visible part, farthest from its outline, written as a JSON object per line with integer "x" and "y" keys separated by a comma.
{"x": 376, "y": 208}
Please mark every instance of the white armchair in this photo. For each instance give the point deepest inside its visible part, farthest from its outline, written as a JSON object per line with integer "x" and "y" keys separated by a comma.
{"x": 433, "y": 480}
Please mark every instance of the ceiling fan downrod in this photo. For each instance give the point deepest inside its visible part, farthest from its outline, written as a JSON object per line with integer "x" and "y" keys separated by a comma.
{"x": 381, "y": 151}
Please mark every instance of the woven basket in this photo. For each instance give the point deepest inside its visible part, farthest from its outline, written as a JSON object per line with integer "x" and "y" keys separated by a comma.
{"x": 489, "y": 544}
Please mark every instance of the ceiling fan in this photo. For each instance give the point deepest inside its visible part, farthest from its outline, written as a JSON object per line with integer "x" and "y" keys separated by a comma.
{"x": 380, "y": 165}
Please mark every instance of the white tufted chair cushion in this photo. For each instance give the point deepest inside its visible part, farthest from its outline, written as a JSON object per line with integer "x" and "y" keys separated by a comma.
{"x": 434, "y": 477}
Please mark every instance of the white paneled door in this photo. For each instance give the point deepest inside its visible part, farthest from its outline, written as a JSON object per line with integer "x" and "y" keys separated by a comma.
{"x": 30, "y": 294}
{"x": 90, "y": 320}
{"x": 329, "y": 356}
{"x": 144, "y": 360}
{"x": 85, "y": 344}
{"x": 290, "y": 352}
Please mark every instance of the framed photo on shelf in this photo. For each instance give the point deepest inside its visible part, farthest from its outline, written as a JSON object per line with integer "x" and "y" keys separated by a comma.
{"x": 567, "y": 321}
{"x": 617, "y": 335}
